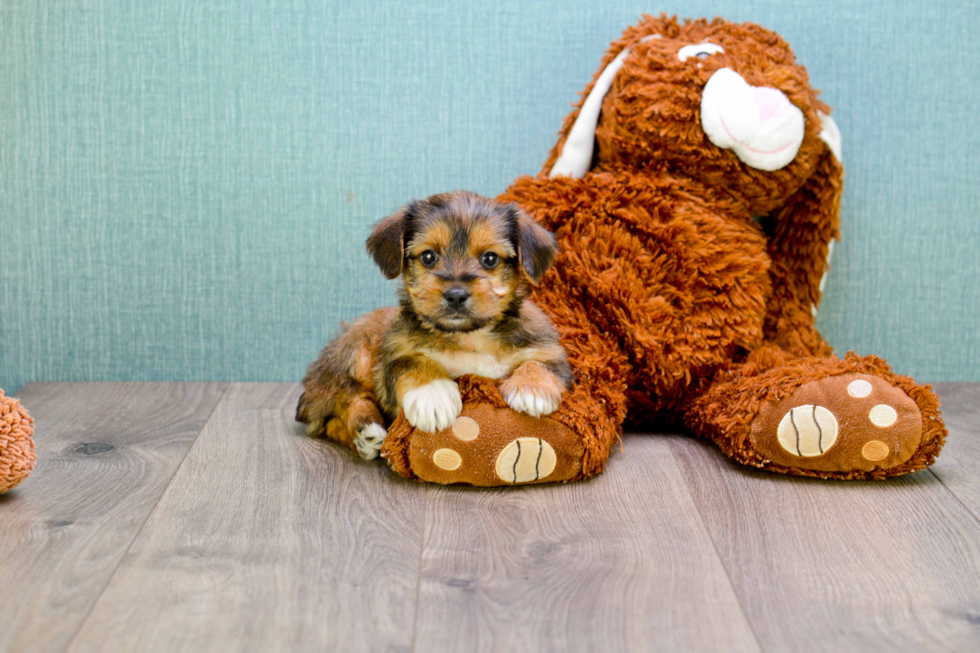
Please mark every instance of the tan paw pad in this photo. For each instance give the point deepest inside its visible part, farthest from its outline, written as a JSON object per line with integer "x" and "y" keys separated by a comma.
{"x": 875, "y": 450}
{"x": 447, "y": 459}
{"x": 526, "y": 460}
{"x": 466, "y": 429}
{"x": 883, "y": 416}
{"x": 807, "y": 431}
{"x": 859, "y": 388}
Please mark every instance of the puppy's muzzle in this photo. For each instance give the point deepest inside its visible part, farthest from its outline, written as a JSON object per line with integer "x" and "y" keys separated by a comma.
{"x": 456, "y": 297}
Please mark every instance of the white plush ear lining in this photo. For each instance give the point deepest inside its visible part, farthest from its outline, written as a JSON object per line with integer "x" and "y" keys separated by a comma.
{"x": 576, "y": 155}
{"x": 830, "y": 134}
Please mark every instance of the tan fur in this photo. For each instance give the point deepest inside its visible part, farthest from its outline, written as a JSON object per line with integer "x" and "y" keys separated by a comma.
{"x": 533, "y": 377}
{"x": 339, "y": 384}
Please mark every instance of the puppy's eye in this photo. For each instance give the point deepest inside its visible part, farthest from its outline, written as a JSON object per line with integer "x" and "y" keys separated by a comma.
{"x": 489, "y": 260}
{"x": 428, "y": 258}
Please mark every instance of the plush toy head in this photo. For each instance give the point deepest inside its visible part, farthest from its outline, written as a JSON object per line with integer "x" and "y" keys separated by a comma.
{"x": 722, "y": 103}
{"x": 16, "y": 446}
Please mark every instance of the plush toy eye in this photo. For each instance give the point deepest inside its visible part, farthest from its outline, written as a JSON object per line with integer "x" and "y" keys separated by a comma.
{"x": 428, "y": 258}
{"x": 489, "y": 260}
{"x": 699, "y": 50}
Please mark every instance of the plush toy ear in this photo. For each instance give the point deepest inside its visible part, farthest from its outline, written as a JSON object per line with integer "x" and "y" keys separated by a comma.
{"x": 572, "y": 155}
{"x": 536, "y": 246}
{"x": 576, "y": 153}
{"x": 805, "y": 228}
{"x": 386, "y": 244}
{"x": 579, "y": 141}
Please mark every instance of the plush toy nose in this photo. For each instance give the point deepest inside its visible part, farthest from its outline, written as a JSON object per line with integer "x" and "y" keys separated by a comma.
{"x": 758, "y": 123}
{"x": 456, "y": 297}
{"x": 770, "y": 102}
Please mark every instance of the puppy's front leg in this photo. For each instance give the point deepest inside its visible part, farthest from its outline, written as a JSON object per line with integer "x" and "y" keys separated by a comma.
{"x": 428, "y": 396}
{"x": 534, "y": 389}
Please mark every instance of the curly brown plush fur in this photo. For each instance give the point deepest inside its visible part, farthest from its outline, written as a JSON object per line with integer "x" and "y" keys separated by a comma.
{"x": 686, "y": 283}
{"x": 17, "y": 455}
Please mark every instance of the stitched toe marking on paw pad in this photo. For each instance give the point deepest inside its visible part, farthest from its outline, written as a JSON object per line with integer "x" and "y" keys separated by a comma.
{"x": 883, "y": 416}
{"x": 807, "y": 431}
{"x": 447, "y": 459}
{"x": 466, "y": 429}
{"x": 875, "y": 450}
{"x": 859, "y": 388}
{"x": 526, "y": 460}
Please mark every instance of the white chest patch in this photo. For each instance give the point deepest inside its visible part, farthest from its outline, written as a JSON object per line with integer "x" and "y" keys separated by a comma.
{"x": 458, "y": 363}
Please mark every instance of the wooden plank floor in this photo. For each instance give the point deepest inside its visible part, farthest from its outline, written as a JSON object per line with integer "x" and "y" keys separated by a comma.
{"x": 196, "y": 517}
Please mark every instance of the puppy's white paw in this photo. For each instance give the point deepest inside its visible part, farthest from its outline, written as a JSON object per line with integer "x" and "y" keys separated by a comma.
{"x": 369, "y": 440}
{"x": 433, "y": 406}
{"x": 535, "y": 404}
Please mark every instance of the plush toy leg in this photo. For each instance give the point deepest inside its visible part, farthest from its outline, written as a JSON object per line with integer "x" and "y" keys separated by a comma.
{"x": 824, "y": 417}
{"x": 490, "y": 444}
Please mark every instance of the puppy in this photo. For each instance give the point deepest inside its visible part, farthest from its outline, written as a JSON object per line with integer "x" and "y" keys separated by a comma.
{"x": 467, "y": 263}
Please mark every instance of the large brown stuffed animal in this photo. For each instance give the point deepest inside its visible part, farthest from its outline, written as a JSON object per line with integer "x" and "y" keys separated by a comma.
{"x": 694, "y": 192}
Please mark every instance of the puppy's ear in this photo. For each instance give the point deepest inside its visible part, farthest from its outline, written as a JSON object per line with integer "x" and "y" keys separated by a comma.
{"x": 536, "y": 246}
{"x": 386, "y": 244}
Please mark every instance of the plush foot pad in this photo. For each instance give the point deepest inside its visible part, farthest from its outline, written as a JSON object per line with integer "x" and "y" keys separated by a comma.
{"x": 497, "y": 446}
{"x": 851, "y": 422}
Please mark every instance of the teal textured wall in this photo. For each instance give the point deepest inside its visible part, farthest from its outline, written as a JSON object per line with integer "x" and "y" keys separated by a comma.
{"x": 185, "y": 186}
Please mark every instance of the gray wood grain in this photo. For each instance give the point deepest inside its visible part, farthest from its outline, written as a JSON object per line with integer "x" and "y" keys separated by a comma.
{"x": 106, "y": 452}
{"x": 135, "y": 532}
{"x": 266, "y": 541}
{"x": 618, "y": 563}
{"x": 958, "y": 466}
{"x": 842, "y": 566}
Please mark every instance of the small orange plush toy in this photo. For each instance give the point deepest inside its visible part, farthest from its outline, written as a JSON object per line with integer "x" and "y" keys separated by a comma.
{"x": 17, "y": 455}
{"x": 694, "y": 192}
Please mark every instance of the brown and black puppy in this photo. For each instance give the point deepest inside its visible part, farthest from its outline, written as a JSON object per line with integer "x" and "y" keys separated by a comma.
{"x": 466, "y": 262}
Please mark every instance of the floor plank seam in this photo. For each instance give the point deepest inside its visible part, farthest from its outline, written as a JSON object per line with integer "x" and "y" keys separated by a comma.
{"x": 968, "y": 509}
{"x": 91, "y": 609}
{"x": 418, "y": 577}
{"x": 721, "y": 561}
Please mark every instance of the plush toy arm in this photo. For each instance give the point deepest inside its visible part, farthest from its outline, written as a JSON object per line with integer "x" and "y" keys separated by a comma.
{"x": 490, "y": 444}
{"x": 552, "y": 202}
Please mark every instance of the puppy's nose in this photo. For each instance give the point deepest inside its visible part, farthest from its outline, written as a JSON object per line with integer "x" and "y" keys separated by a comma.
{"x": 456, "y": 296}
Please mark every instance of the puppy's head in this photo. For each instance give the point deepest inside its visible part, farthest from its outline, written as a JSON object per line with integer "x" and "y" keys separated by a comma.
{"x": 465, "y": 259}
